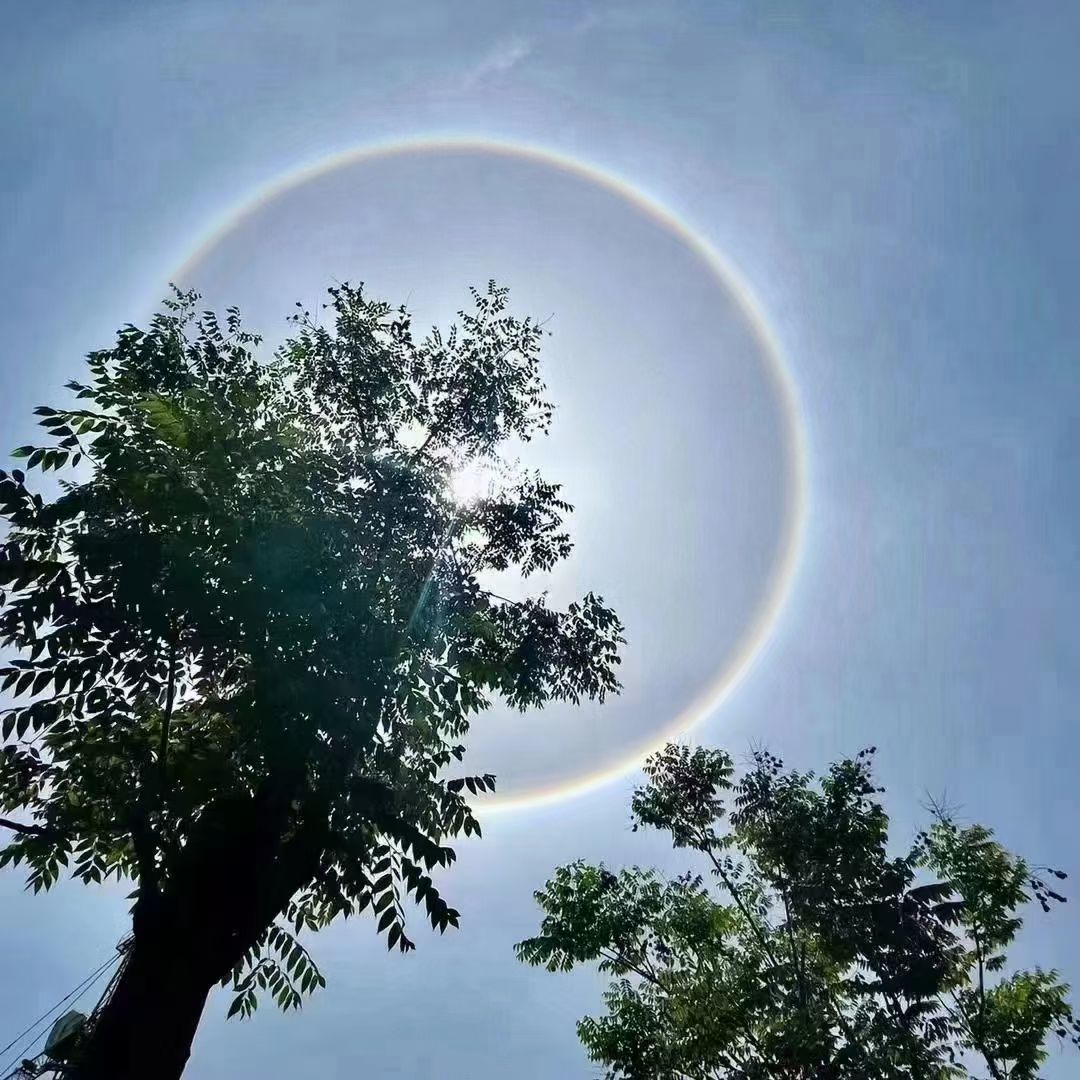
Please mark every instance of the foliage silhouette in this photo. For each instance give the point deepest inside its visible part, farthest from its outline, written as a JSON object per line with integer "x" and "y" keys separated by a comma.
{"x": 250, "y": 634}
{"x": 815, "y": 953}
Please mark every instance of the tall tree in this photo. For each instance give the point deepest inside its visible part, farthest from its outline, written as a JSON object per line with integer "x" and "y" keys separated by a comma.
{"x": 251, "y": 632}
{"x": 813, "y": 952}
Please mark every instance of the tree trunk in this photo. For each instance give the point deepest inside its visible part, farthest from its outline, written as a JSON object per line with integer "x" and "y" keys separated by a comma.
{"x": 146, "y": 1028}
{"x": 232, "y": 880}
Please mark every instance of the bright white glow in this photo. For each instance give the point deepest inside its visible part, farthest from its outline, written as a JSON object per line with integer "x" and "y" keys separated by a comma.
{"x": 470, "y": 482}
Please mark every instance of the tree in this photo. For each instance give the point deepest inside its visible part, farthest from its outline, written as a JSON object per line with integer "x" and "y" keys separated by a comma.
{"x": 251, "y": 632}
{"x": 815, "y": 953}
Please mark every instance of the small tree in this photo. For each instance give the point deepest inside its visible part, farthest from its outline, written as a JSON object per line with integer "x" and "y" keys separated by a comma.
{"x": 817, "y": 953}
{"x": 250, "y": 636}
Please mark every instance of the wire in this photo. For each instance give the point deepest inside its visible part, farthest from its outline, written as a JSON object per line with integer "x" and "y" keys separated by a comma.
{"x": 46, "y": 1015}
{"x": 76, "y": 993}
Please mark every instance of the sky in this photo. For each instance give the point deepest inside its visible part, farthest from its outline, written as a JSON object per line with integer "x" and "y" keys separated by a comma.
{"x": 895, "y": 186}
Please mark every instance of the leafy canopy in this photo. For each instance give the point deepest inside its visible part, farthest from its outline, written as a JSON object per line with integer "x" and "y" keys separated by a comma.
{"x": 256, "y": 607}
{"x": 806, "y": 949}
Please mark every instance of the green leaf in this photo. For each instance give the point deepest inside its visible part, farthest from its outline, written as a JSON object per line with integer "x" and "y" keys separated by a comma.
{"x": 167, "y": 420}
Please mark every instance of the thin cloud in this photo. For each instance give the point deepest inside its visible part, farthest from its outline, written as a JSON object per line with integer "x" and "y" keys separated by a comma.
{"x": 499, "y": 59}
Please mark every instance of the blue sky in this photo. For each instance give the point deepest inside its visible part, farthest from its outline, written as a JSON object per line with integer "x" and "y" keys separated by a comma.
{"x": 896, "y": 182}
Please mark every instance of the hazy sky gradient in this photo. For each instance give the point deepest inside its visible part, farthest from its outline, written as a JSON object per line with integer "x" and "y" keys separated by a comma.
{"x": 897, "y": 182}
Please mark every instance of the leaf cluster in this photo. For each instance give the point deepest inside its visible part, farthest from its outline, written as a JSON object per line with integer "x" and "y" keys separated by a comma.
{"x": 804, "y": 947}
{"x": 253, "y": 614}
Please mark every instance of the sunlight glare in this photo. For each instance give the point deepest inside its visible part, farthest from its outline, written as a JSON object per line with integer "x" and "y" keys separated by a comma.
{"x": 470, "y": 482}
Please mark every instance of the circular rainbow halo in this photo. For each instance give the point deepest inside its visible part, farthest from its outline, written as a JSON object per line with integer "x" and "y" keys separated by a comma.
{"x": 472, "y": 480}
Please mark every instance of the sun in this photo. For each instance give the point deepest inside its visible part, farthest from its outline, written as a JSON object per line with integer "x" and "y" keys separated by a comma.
{"x": 470, "y": 482}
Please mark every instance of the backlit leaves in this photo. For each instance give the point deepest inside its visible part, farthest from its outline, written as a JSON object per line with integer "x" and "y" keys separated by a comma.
{"x": 254, "y": 605}
{"x": 806, "y": 949}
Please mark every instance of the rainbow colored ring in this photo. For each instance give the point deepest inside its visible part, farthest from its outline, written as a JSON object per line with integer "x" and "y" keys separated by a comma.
{"x": 783, "y": 570}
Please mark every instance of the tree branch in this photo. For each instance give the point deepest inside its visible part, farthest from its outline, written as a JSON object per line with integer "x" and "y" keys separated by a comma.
{"x": 440, "y": 426}
{"x": 796, "y": 960}
{"x": 737, "y": 897}
{"x": 980, "y": 1040}
{"x": 474, "y": 385}
{"x": 29, "y": 830}
{"x": 625, "y": 961}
